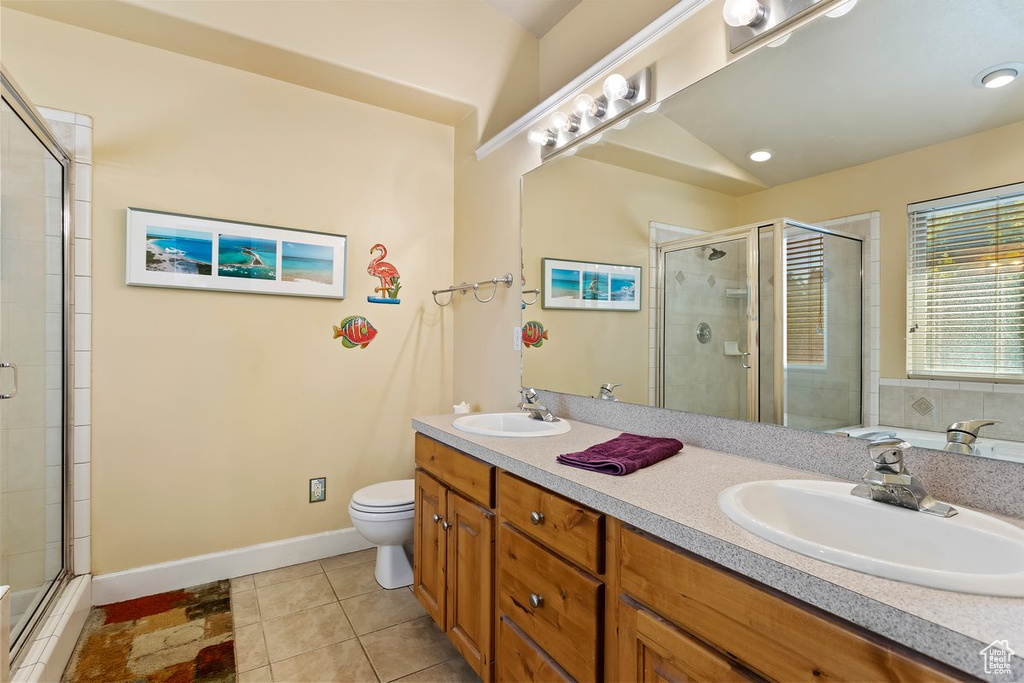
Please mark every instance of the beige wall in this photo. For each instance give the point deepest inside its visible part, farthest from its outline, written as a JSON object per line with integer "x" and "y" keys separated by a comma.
{"x": 972, "y": 163}
{"x": 585, "y": 210}
{"x": 212, "y": 410}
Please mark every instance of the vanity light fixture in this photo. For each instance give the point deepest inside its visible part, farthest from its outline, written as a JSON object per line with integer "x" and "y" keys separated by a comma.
{"x": 738, "y": 13}
{"x": 541, "y": 137}
{"x": 752, "y": 20}
{"x": 591, "y": 114}
{"x": 760, "y": 155}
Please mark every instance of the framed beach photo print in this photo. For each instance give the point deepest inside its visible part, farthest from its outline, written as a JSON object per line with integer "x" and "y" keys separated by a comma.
{"x": 590, "y": 286}
{"x": 176, "y": 250}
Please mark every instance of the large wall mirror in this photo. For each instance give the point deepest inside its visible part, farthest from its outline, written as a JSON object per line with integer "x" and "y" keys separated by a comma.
{"x": 863, "y": 114}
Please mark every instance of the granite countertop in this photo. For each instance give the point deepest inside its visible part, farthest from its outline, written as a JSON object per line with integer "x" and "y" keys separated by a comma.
{"x": 677, "y": 500}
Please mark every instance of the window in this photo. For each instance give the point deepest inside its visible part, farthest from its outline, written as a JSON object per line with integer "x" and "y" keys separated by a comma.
{"x": 805, "y": 300}
{"x": 965, "y": 286}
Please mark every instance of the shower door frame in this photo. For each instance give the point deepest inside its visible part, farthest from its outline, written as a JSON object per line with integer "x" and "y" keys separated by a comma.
{"x": 23, "y": 108}
{"x": 750, "y": 234}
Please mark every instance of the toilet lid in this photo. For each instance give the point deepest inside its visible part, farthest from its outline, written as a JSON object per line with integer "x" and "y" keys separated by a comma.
{"x": 387, "y": 494}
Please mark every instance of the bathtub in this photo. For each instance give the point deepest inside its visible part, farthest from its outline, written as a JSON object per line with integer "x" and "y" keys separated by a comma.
{"x": 997, "y": 449}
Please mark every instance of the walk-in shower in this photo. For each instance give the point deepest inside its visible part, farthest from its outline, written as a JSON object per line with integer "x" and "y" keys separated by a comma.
{"x": 34, "y": 380}
{"x": 762, "y": 323}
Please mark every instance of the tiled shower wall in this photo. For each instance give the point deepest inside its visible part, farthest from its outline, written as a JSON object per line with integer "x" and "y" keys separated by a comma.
{"x": 933, "y": 405}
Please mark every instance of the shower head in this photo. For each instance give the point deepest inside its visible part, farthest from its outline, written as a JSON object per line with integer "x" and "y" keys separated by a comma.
{"x": 715, "y": 254}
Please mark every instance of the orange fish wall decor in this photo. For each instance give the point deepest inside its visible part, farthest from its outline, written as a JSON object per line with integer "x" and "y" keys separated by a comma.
{"x": 354, "y": 331}
{"x": 534, "y": 334}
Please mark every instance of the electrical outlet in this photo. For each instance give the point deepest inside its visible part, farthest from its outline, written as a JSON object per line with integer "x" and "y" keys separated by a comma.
{"x": 517, "y": 339}
{"x": 318, "y": 490}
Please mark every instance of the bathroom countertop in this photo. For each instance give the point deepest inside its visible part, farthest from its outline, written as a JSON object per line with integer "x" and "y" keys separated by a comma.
{"x": 677, "y": 500}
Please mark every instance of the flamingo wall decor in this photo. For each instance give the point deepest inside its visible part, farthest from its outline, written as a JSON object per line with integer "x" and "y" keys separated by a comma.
{"x": 388, "y": 276}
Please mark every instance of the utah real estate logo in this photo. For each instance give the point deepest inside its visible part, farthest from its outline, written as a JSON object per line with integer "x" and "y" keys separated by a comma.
{"x": 997, "y": 658}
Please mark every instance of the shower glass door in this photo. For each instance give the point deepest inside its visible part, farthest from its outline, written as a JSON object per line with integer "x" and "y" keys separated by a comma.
{"x": 33, "y": 182}
{"x": 708, "y": 359}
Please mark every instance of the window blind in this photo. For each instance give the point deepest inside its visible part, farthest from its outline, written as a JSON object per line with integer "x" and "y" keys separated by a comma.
{"x": 965, "y": 287}
{"x": 805, "y": 300}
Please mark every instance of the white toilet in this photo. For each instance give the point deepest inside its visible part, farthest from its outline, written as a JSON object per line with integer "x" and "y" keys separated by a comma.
{"x": 383, "y": 514}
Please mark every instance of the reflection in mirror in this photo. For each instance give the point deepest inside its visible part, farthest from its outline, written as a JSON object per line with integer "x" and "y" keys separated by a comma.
{"x": 864, "y": 115}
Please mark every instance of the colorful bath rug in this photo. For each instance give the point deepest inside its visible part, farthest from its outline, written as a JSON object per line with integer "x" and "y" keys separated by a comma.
{"x": 183, "y": 636}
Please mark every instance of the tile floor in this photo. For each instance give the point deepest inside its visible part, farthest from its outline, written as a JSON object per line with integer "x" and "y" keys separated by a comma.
{"x": 329, "y": 621}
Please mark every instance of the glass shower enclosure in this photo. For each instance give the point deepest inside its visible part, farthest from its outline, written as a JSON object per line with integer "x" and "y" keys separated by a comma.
{"x": 34, "y": 326}
{"x": 763, "y": 323}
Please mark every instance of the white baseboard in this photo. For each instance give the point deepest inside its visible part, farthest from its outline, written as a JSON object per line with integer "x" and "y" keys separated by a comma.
{"x": 193, "y": 571}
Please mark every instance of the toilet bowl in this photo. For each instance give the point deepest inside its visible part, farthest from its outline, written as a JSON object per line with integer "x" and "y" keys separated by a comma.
{"x": 383, "y": 514}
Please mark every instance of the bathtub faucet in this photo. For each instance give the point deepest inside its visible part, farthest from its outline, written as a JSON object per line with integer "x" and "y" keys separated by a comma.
{"x": 890, "y": 482}
{"x": 960, "y": 436}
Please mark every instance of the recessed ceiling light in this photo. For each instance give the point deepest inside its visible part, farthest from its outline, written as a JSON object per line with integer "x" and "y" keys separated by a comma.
{"x": 760, "y": 155}
{"x": 997, "y": 79}
{"x": 999, "y": 75}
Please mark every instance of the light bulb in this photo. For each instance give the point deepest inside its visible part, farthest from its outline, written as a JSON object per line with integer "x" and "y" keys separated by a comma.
{"x": 739, "y": 13}
{"x": 842, "y": 10}
{"x": 616, "y": 87}
{"x": 621, "y": 125}
{"x": 653, "y": 108}
{"x": 999, "y": 78}
{"x": 760, "y": 155}
{"x": 563, "y": 122}
{"x": 594, "y": 140}
{"x": 585, "y": 105}
{"x": 540, "y": 137}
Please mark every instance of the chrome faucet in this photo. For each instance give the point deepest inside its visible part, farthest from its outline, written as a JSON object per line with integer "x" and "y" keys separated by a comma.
{"x": 606, "y": 391}
{"x": 890, "y": 482}
{"x": 537, "y": 411}
{"x": 960, "y": 436}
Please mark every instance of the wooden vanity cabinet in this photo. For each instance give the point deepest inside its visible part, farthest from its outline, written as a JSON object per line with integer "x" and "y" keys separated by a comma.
{"x": 682, "y": 613}
{"x": 551, "y": 592}
{"x": 453, "y": 557}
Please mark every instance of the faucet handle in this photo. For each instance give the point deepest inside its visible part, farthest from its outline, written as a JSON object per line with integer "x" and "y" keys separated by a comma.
{"x": 888, "y": 453}
{"x": 971, "y": 427}
{"x": 529, "y": 395}
{"x": 608, "y": 388}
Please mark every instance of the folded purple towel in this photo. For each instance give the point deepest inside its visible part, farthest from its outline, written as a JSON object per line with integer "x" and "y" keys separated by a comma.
{"x": 624, "y": 454}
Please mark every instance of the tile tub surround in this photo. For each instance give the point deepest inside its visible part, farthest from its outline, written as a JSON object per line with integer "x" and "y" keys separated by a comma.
{"x": 329, "y": 620}
{"x": 677, "y": 501}
{"x": 953, "y": 402}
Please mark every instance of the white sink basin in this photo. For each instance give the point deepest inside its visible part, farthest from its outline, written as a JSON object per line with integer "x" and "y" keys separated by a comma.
{"x": 509, "y": 424}
{"x": 970, "y": 552}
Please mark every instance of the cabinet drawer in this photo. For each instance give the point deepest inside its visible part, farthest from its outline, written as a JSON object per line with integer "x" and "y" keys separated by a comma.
{"x": 519, "y": 658}
{"x": 567, "y": 617}
{"x": 773, "y": 634}
{"x": 568, "y": 528}
{"x": 471, "y": 477}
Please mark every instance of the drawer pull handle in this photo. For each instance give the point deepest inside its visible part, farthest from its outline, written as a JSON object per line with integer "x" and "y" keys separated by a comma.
{"x": 536, "y": 517}
{"x": 436, "y": 518}
{"x": 446, "y": 525}
{"x": 536, "y": 600}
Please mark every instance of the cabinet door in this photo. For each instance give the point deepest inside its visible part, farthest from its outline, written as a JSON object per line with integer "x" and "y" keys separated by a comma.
{"x": 470, "y": 582}
{"x": 653, "y": 650}
{"x": 429, "y": 546}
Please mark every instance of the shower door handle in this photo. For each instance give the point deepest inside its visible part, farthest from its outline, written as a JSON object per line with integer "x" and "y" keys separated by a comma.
{"x": 744, "y": 361}
{"x": 14, "y": 391}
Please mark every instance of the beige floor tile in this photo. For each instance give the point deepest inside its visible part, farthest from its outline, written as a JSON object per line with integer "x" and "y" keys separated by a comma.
{"x": 293, "y": 596}
{"x": 244, "y": 609}
{"x": 355, "y": 580}
{"x": 260, "y": 675}
{"x": 242, "y": 584}
{"x": 339, "y": 663}
{"x": 453, "y": 671}
{"x": 380, "y": 609}
{"x": 295, "y": 571}
{"x": 250, "y": 649}
{"x": 407, "y": 648}
{"x": 349, "y": 559}
{"x": 305, "y": 631}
